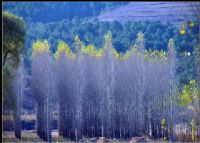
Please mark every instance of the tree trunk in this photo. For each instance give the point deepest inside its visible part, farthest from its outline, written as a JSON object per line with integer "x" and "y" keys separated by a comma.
{"x": 17, "y": 125}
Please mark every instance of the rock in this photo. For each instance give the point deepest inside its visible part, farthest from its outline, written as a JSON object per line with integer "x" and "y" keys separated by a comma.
{"x": 139, "y": 140}
{"x": 115, "y": 140}
{"x": 103, "y": 140}
{"x": 94, "y": 139}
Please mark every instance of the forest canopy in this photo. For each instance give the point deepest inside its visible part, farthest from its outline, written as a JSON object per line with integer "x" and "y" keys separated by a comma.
{"x": 56, "y": 11}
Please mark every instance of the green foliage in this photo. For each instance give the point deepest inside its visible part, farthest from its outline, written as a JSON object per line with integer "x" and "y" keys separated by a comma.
{"x": 47, "y": 12}
{"x": 13, "y": 44}
{"x": 164, "y": 129}
{"x": 189, "y": 40}
{"x": 92, "y": 32}
{"x": 186, "y": 68}
{"x": 13, "y": 37}
{"x": 189, "y": 94}
{"x": 188, "y": 99}
{"x": 54, "y": 21}
{"x": 193, "y": 125}
{"x": 163, "y": 123}
{"x": 196, "y": 56}
{"x": 165, "y": 138}
{"x": 155, "y": 55}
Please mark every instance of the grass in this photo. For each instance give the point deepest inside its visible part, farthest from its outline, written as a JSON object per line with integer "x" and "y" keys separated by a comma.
{"x": 28, "y": 136}
{"x": 31, "y": 137}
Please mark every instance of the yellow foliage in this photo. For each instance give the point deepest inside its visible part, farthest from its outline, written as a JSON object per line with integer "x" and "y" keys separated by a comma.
{"x": 40, "y": 47}
{"x": 163, "y": 123}
{"x": 78, "y": 43}
{"x": 100, "y": 52}
{"x": 189, "y": 94}
{"x": 140, "y": 36}
{"x": 182, "y": 31}
{"x": 155, "y": 55}
{"x": 92, "y": 51}
{"x": 171, "y": 43}
{"x": 63, "y": 47}
{"x": 130, "y": 52}
{"x": 108, "y": 37}
{"x": 149, "y": 55}
{"x": 77, "y": 38}
{"x": 116, "y": 54}
{"x": 191, "y": 24}
{"x": 183, "y": 26}
{"x": 126, "y": 55}
{"x": 192, "y": 82}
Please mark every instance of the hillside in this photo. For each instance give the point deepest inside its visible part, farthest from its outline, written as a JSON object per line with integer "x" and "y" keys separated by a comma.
{"x": 56, "y": 11}
{"x": 175, "y": 12}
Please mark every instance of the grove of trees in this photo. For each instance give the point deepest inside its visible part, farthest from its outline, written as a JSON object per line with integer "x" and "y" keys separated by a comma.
{"x": 101, "y": 92}
{"x": 157, "y": 36}
{"x": 140, "y": 78}
{"x": 61, "y": 21}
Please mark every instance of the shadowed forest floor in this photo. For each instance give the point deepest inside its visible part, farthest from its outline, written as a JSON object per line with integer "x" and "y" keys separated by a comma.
{"x": 30, "y": 136}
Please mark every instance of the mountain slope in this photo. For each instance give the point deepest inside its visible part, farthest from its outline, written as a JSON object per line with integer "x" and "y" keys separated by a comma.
{"x": 175, "y": 12}
{"x": 50, "y": 12}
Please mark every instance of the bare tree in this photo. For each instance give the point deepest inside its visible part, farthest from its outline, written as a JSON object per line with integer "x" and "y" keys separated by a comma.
{"x": 172, "y": 70}
{"x": 79, "y": 79}
{"x": 112, "y": 96}
{"x": 65, "y": 79}
{"x": 43, "y": 90}
{"x": 18, "y": 90}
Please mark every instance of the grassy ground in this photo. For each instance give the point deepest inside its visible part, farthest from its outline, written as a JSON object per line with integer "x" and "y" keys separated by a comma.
{"x": 29, "y": 136}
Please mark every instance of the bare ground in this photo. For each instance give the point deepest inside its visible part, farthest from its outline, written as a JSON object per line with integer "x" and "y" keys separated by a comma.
{"x": 31, "y": 137}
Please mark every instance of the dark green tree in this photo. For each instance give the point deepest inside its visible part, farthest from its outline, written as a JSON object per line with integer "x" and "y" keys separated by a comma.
{"x": 13, "y": 43}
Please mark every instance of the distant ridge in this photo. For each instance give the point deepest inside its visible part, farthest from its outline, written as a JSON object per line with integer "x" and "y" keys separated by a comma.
{"x": 173, "y": 12}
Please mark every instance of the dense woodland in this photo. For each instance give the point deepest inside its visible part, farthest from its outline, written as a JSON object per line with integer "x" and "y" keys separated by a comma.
{"x": 110, "y": 79}
{"x": 59, "y": 10}
{"x": 91, "y": 31}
